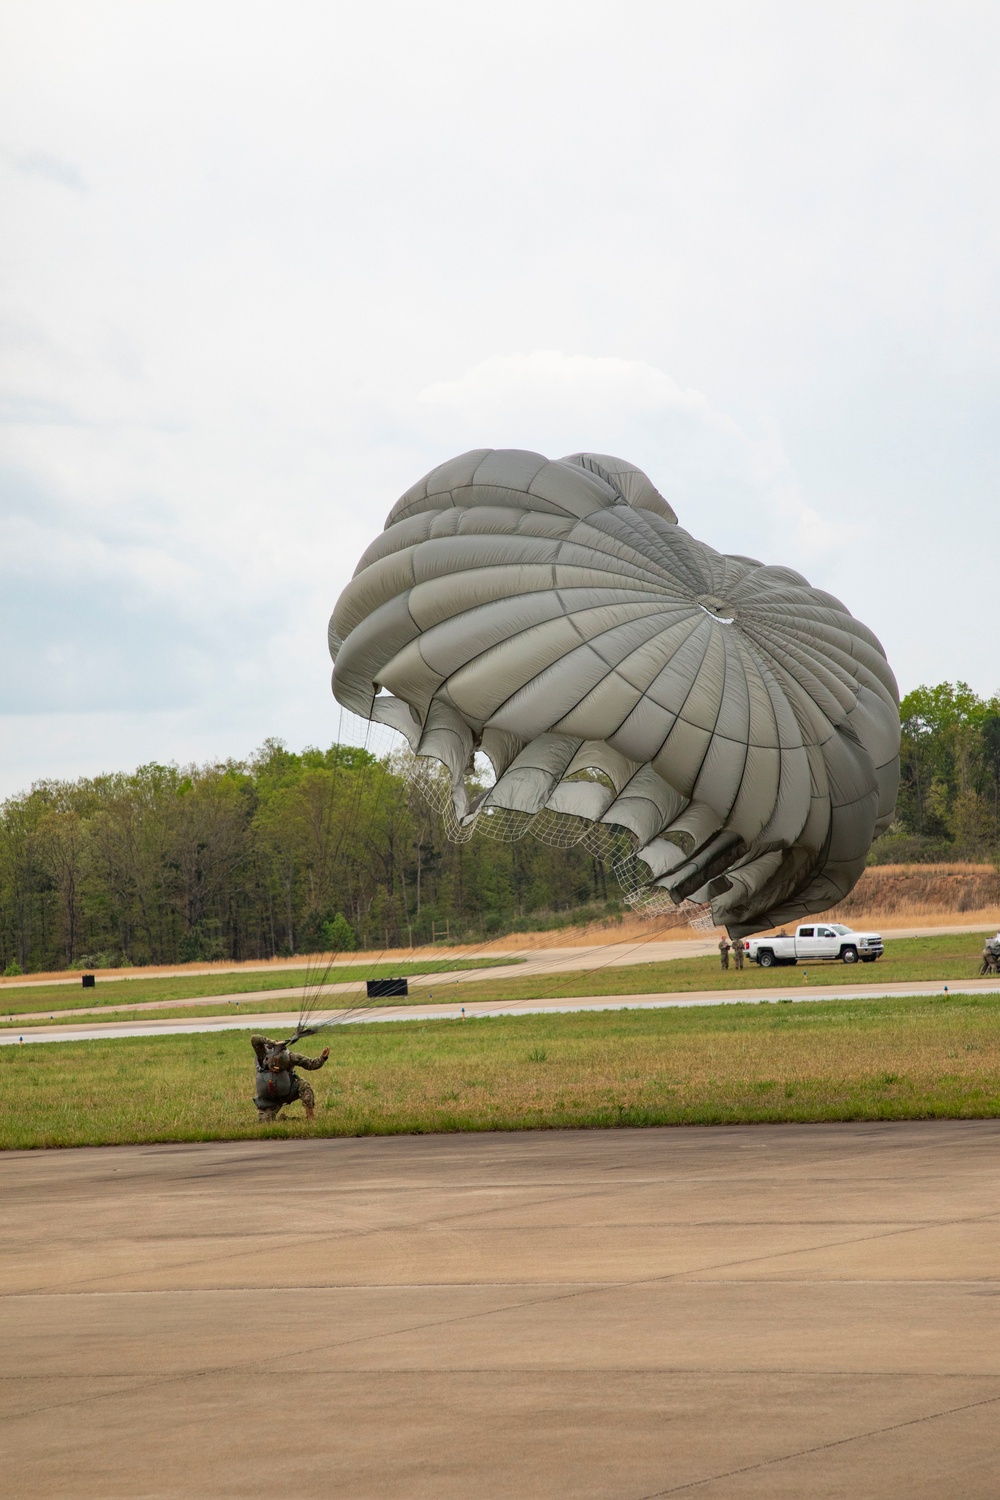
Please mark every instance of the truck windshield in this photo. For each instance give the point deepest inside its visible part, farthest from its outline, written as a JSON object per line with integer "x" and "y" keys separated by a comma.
{"x": 839, "y": 928}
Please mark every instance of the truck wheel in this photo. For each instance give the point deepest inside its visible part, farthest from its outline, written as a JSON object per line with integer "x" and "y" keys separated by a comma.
{"x": 849, "y": 955}
{"x": 765, "y": 958}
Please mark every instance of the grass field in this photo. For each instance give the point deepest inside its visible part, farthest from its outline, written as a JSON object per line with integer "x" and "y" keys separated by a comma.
{"x": 925, "y": 960}
{"x": 840, "y": 1060}
{"x": 15, "y": 1000}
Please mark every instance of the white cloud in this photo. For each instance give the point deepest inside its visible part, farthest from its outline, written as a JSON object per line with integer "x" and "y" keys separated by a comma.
{"x": 43, "y": 164}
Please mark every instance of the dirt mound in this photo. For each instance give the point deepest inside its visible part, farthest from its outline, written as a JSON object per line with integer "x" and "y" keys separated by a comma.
{"x": 905, "y": 891}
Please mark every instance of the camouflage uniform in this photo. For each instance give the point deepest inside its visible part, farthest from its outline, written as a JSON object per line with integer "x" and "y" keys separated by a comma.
{"x": 265, "y": 1049}
{"x": 739, "y": 950}
{"x": 724, "y": 952}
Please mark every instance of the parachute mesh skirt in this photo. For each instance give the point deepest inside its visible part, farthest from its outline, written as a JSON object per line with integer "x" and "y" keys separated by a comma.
{"x": 718, "y": 730}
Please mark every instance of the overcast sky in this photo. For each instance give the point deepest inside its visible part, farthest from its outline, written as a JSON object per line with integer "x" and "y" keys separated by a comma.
{"x": 264, "y": 264}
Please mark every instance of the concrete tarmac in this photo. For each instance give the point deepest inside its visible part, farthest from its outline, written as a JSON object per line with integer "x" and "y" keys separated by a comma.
{"x": 787, "y": 1311}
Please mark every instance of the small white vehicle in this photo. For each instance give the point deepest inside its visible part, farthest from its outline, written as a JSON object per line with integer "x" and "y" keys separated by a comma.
{"x": 822, "y": 940}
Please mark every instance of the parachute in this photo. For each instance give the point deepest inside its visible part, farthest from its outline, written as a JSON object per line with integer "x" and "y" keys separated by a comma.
{"x": 724, "y": 733}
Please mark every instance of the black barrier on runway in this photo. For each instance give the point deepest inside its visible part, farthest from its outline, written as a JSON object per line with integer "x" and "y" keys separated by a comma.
{"x": 377, "y": 988}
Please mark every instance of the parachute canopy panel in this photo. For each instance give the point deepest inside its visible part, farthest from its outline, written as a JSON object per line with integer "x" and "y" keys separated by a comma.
{"x": 729, "y": 731}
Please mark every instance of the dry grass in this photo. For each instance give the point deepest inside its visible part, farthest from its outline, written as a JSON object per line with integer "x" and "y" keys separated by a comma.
{"x": 904, "y": 895}
{"x": 843, "y": 1060}
{"x": 887, "y": 897}
{"x": 278, "y": 966}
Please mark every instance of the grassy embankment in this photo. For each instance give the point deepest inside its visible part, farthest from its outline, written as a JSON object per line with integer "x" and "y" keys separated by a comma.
{"x": 840, "y": 1060}
{"x": 907, "y": 960}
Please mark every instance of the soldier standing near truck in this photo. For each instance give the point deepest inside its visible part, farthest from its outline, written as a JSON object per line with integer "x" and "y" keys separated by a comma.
{"x": 724, "y": 952}
{"x": 739, "y": 952}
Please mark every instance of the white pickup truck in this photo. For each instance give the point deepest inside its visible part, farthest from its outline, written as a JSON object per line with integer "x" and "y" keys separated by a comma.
{"x": 819, "y": 940}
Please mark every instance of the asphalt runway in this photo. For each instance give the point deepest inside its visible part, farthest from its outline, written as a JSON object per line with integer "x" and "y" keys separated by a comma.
{"x": 783, "y": 1311}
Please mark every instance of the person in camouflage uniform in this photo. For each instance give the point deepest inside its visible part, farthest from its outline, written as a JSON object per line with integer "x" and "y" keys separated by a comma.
{"x": 277, "y": 1082}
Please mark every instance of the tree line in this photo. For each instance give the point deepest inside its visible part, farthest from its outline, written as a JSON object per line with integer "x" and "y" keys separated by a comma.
{"x": 283, "y": 853}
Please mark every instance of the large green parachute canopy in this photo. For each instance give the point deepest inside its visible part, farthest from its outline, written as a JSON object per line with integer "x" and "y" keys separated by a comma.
{"x": 728, "y": 731}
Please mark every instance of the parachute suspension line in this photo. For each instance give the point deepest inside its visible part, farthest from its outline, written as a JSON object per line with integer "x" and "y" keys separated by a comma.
{"x": 607, "y": 842}
{"x": 351, "y": 1012}
{"x": 384, "y": 765}
{"x": 678, "y": 916}
{"x": 316, "y": 977}
{"x": 302, "y": 1025}
{"x": 557, "y": 964}
{"x": 317, "y": 982}
{"x": 312, "y": 969}
{"x": 610, "y": 843}
{"x": 554, "y": 963}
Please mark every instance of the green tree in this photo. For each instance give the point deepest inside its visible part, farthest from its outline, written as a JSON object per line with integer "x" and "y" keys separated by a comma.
{"x": 339, "y": 935}
{"x": 950, "y": 769}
